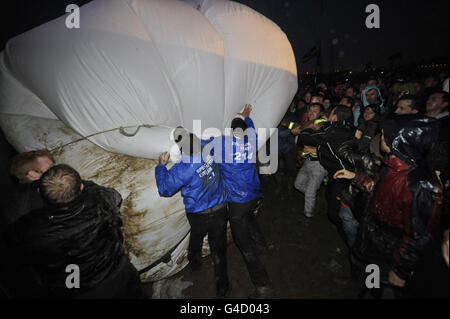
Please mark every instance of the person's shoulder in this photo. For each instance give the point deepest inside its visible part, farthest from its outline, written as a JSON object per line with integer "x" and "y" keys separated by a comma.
{"x": 90, "y": 185}
{"x": 422, "y": 180}
{"x": 28, "y": 223}
{"x": 443, "y": 122}
{"x": 94, "y": 193}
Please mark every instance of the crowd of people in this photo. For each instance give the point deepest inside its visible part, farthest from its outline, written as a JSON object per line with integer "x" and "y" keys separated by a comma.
{"x": 380, "y": 149}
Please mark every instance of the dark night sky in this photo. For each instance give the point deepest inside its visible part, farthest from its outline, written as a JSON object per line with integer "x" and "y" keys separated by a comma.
{"x": 417, "y": 28}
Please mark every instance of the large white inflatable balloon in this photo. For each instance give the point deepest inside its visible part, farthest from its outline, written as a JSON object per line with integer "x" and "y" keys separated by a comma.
{"x": 104, "y": 98}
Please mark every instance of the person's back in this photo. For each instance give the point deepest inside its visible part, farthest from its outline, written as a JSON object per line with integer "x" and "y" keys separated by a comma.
{"x": 84, "y": 231}
{"x": 335, "y": 135}
{"x": 199, "y": 179}
{"x": 238, "y": 168}
{"x": 335, "y": 132}
{"x": 238, "y": 165}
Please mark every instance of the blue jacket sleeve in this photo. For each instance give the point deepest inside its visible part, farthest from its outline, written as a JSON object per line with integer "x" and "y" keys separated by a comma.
{"x": 282, "y": 132}
{"x": 248, "y": 121}
{"x": 168, "y": 181}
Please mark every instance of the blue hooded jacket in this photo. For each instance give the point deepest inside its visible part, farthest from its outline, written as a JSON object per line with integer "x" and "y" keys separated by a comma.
{"x": 238, "y": 166}
{"x": 200, "y": 181}
{"x": 357, "y": 112}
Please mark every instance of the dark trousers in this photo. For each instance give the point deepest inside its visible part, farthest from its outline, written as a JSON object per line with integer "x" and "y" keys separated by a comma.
{"x": 289, "y": 165}
{"x": 333, "y": 195}
{"x": 215, "y": 225}
{"x": 286, "y": 173}
{"x": 245, "y": 230}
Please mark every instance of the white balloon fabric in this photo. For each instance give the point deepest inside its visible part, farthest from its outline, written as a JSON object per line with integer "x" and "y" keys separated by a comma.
{"x": 146, "y": 66}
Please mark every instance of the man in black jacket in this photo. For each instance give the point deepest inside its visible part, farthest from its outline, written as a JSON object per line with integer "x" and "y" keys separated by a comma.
{"x": 336, "y": 131}
{"x": 19, "y": 199}
{"x": 76, "y": 237}
{"x": 23, "y": 197}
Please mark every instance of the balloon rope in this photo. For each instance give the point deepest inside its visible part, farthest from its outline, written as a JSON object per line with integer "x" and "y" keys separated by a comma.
{"x": 121, "y": 130}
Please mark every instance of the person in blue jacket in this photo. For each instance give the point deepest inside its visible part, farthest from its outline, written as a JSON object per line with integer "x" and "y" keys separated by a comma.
{"x": 205, "y": 200}
{"x": 238, "y": 168}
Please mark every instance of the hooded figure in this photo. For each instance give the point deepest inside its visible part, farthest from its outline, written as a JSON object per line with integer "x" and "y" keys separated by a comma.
{"x": 410, "y": 137}
{"x": 366, "y": 102}
{"x": 404, "y": 214}
{"x": 357, "y": 111}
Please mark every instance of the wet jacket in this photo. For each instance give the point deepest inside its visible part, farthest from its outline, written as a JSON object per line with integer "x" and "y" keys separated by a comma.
{"x": 85, "y": 232}
{"x": 22, "y": 200}
{"x": 238, "y": 166}
{"x": 406, "y": 207}
{"x": 199, "y": 179}
{"x": 356, "y": 195}
{"x": 327, "y": 140}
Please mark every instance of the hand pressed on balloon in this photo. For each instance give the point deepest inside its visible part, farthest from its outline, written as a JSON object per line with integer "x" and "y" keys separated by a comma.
{"x": 164, "y": 158}
{"x": 247, "y": 110}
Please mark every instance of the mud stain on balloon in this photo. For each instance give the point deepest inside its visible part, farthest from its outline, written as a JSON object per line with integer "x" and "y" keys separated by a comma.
{"x": 122, "y": 173}
{"x": 66, "y": 130}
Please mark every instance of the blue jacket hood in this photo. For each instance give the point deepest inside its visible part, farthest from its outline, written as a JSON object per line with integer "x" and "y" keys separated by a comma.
{"x": 368, "y": 88}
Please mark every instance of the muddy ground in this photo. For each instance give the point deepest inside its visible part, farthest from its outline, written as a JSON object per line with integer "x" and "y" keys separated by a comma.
{"x": 307, "y": 258}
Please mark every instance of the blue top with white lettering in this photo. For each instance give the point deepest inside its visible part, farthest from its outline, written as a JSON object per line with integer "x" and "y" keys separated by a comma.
{"x": 200, "y": 181}
{"x": 238, "y": 166}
